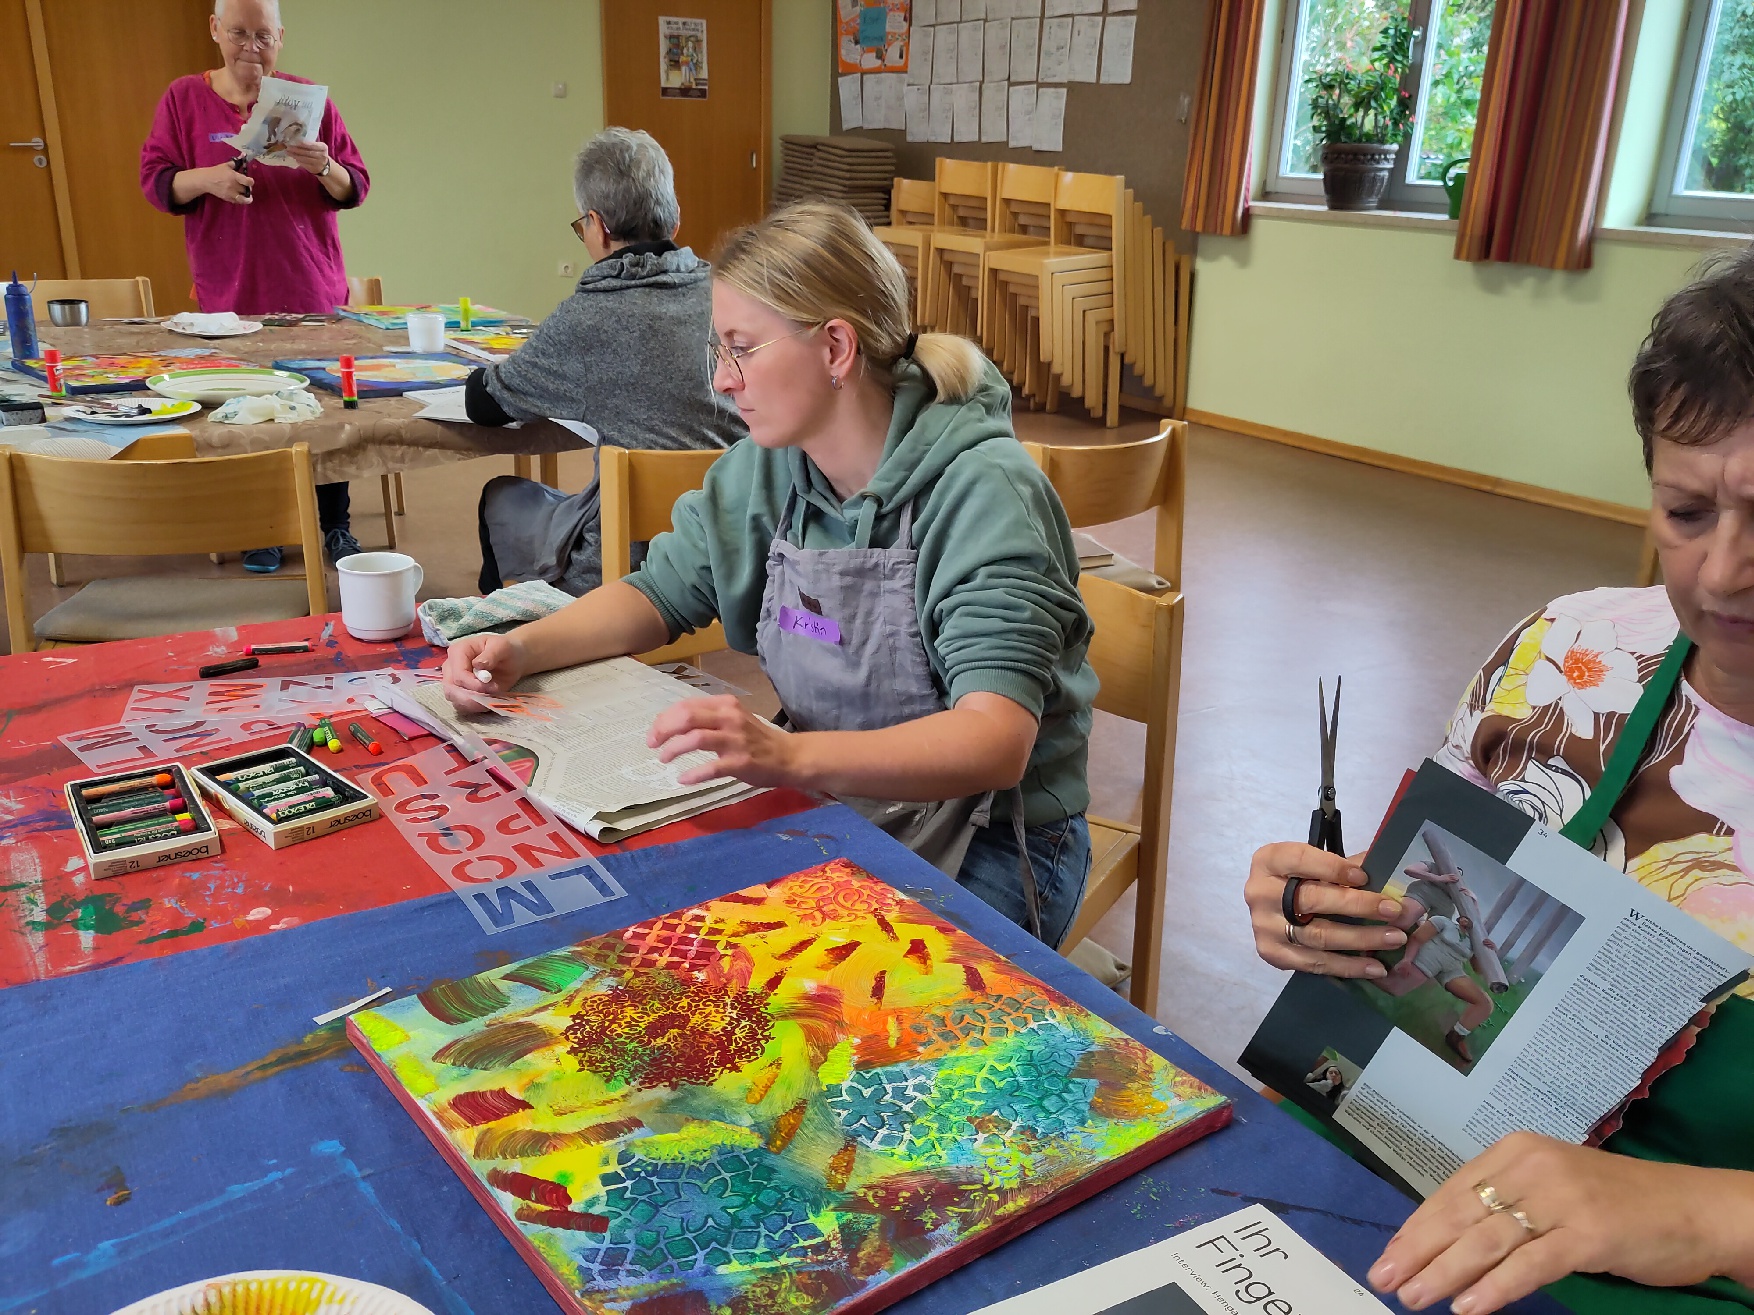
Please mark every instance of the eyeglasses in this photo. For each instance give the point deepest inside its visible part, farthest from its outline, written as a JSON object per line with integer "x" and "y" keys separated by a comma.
{"x": 583, "y": 222}
{"x": 251, "y": 40}
{"x": 732, "y": 357}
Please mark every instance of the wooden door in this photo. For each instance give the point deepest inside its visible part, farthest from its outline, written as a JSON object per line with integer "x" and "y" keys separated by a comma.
{"x": 30, "y": 235}
{"x": 718, "y": 144}
{"x": 111, "y": 61}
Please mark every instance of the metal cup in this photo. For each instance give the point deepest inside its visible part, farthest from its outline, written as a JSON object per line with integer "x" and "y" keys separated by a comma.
{"x": 69, "y": 312}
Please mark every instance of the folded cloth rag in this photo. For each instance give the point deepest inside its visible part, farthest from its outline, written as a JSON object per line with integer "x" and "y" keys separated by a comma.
{"x": 445, "y": 619}
{"x": 286, "y": 407}
{"x": 189, "y": 321}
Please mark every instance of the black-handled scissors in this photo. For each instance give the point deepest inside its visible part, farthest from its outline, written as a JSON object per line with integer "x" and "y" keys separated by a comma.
{"x": 1324, "y": 822}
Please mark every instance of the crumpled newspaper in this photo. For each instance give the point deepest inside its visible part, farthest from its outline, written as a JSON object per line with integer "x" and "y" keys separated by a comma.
{"x": 286, "y": 408}
{"x": 194, "y": 322}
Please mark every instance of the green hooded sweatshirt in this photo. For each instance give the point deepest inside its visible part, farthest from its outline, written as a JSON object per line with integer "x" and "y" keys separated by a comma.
{"x": 997, "y": 588}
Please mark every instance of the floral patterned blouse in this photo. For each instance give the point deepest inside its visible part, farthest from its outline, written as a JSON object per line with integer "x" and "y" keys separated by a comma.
{"x": 1540, "y": 721}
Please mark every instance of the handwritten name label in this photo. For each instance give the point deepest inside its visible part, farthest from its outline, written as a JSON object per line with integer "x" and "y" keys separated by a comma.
{"x": 811, "y": 626}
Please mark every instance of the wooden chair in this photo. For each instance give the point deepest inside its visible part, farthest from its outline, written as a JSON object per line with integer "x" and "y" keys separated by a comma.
{"x": 369, "y": 291}
{"x": 1101, "y": 484}
{"x": 365, "y": 291}
{"x": 156, "y": 506}
{"x": 111, "y": 299}
{"x": 1137, "y": 655}
{"x": 912, "y": 211}
{"x": 1019, "y": 214}
{"x": 637, "y": 491}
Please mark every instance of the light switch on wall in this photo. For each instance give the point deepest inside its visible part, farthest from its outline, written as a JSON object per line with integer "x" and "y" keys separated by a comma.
{"x": 568, "y": 269}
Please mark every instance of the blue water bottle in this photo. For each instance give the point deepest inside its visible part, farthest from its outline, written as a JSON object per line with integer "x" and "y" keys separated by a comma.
{"x": 21, "y": 324}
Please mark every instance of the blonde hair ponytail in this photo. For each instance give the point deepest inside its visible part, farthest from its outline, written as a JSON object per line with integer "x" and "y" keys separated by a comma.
{"x": 815, "y": 261}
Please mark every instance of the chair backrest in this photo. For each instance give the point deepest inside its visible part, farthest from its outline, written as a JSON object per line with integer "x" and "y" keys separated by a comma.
{"x": 964, "y": 192}
{"x": 365, "y": 291}
{"x": 1113, "y": 481}
{"x": 159, "y": 447}
{"x": 913, "y": 203}
{"x": 109, "y": 298}
{"x": 153, "y": 507}
{"x": 1088, "y": 209}
{"x": 1025, "y": 199}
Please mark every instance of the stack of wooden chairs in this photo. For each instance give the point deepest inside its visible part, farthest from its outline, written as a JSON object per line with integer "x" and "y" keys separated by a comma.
{"x": 1061, "y": 276}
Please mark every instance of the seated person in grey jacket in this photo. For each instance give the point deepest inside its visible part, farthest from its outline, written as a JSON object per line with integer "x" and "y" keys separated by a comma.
{"x": 627, "y": 353}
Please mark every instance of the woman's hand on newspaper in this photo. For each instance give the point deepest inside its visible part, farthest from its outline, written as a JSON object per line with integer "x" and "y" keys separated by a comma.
{"x": 496, "y": 657}
{"x": 1588, "y": 1211}
{"x": 312, "y": 157}
{"x": 1330, "y": 886}
{"x": 748, "y": 748}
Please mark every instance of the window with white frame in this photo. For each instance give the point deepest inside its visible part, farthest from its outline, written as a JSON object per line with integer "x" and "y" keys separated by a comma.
{"x": 1705, "y": 174}
{"x": 1449, "y": 57}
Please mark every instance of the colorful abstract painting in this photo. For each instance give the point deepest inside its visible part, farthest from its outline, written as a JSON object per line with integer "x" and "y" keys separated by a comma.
{"x": 809, "y": 1096}
{"x": 385, "y": 376}
{"x": 128, "y": 374}
{"x": 396, "y": 317}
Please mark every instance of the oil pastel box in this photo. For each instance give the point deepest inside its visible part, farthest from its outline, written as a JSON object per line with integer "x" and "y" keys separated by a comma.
{"x": 141, "y": 819}
{"x": 283, "y": 795}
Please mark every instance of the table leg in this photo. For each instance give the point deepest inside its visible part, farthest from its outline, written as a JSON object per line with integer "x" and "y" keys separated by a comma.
{"x": 401, "y": 499}
{"x": 384, "y": 485}
{"x": 56, "y": 576}
{"x": 524, "y": 467}
{"x": 550, "y": 464}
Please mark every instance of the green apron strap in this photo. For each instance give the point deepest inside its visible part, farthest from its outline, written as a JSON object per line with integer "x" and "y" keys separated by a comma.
{"x": 1586, "y": 824}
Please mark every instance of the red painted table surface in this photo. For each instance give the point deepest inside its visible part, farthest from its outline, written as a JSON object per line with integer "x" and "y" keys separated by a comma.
{"x": 55, "y": 919}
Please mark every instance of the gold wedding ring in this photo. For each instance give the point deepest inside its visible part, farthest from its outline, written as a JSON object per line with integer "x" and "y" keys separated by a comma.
{"x": 1489, "y": 1198}
{"x": 1522, "y": 1219}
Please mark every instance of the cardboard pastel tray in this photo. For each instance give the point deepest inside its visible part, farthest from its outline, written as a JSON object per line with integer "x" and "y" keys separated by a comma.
{"x": 350, "y": 805}
{"x": 113, "y": 859}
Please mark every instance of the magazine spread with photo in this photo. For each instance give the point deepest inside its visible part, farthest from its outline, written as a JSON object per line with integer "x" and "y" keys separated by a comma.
{"x": 1537, "y": 988}
{"x": 285, "y": 114}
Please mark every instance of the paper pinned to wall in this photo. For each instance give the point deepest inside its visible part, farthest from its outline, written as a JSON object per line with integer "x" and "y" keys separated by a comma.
{"x": 1117, "y": 50}
{"x": 1086, "y": 6}
{"x": 925, "y": 13}
{"x": 852, "y": 102}
{"x": 969, "y": 46}
{"x": 1056, "y": 8}
{"x": 1114, "y": 6}
{"x": 939, "y": 120}
{"x": 993, "y": 100}
{"x": 966, "y": 102}
{"x": 1050, "y": 119}
{"x": 1025, "y": 38}
{"x": 973, "y": 9}
{"x": 1026, "y": 8}
{"x": 1056, "y": 49}
{"x": 998, "y": 43}
{"x": 919, "y": 66}
{"x": 918, "y": 106}
{"x": 1020, "y": 131}
{"x": 949, "y": 11}
{"x": 1086, "y": 45}
{"x": 883, "y": 101}
{"x": 944, "y": 53}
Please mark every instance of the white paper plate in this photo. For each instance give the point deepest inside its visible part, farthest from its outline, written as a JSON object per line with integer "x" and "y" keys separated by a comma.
{"x": 277, "y": 1292}
{"x": 242, "y": 327}
{"x": 161, "y": 411}
{"x": 221, "y": 385}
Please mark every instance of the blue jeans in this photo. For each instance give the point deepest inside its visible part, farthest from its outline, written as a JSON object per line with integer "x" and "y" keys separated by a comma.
{"x": 1059, "y": 853}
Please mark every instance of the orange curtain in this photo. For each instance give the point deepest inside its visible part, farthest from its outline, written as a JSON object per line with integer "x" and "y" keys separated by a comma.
{"x": 1215, "y": 188}
{"x": 1541, "y": 139}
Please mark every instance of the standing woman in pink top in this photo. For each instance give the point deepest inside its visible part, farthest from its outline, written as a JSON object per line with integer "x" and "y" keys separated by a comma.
{"x": 263, "y": 241}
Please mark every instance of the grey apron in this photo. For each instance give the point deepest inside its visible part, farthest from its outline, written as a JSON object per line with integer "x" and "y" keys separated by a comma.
{"x": 839, "y": 638}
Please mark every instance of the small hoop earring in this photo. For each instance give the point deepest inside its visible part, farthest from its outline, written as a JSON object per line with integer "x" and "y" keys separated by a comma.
{"x": 834, "y": 382}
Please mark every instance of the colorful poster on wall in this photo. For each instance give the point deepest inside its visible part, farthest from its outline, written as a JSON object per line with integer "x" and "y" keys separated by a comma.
{"x": 682, "y": 58}
{"x": 872, "y": 35}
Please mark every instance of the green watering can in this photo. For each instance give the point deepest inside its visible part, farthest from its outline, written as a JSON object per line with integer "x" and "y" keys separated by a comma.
{"x": 1454, "y": 176}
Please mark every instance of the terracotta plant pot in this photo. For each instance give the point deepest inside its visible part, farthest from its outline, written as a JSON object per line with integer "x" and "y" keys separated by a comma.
{"x": 1354, "y": 174}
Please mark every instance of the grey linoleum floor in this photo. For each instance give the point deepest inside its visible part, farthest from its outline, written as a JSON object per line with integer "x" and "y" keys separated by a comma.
{"x": 1297, "y": 566}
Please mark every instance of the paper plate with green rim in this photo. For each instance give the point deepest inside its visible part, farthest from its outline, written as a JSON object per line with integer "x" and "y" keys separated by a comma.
{"x": 216, "y": 386}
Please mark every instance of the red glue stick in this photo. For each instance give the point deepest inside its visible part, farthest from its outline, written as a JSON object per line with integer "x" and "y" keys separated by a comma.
{"x": 52, "y": 369}
{"x": 349, "y": 389}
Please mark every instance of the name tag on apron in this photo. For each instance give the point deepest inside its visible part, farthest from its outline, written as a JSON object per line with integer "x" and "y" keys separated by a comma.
{"x": 811, "y": 626}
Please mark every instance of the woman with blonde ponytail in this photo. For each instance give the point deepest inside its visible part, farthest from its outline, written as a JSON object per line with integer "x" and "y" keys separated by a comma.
{"x": 894, "y": 557}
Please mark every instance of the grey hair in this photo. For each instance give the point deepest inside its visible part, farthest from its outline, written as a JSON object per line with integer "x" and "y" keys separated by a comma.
{"x": 219, "y": 10}
{"x": 624, "y": 175}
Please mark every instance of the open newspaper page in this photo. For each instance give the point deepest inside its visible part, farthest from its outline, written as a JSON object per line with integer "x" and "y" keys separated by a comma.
{"x": 583, "y": 729}
{"x": 285, "y": 114}
{"x": 1538, "y": 986}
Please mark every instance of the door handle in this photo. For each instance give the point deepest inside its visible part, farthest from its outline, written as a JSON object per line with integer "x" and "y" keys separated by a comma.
{"x": 34, "y": 144}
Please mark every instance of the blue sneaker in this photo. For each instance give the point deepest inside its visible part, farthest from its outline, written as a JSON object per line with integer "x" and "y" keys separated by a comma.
{"x": 339, "y": 543}
{"x": 263, "y": 560}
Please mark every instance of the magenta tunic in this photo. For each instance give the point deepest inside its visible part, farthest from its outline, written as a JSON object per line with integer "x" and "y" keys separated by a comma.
{"x": 282, "y": 252}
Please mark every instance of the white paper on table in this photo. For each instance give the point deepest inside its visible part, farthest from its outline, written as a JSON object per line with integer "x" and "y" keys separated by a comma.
{"x": 919, "y": 59}
{"x": 925, "y": 13}
{"x": 973, "y": 9}
{"x": 994, "y": 96}
{"x": 1021, "y": 128}
{"x": 949, "y": 11}
{"x": 939, "y": 120}
{"x": 998, "y": 43}
{"x": 1086, "y": 45}
{"x": 1025, "y": 37}
{"x": 944, "y": 55}
{"x": 1122, "y": 6}
{"x": 1056, "y": 49}
{"x": 966, "y": 102}
{"x": 851, "y": 103}
{"x": 1117, "y": 50}
{"x": 968, "y": 51}
{"x": 919, "y": 114}
{"x": 447, "y": 404}
{"x": 1056, "y": 8}
{"x": 1050, "y": 118}
{"x": 578, "y": 427}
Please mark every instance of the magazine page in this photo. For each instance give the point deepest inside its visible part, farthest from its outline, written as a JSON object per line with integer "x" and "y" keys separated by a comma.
{"x": 1538, "y": 986}
{"x": 285, "y": 113}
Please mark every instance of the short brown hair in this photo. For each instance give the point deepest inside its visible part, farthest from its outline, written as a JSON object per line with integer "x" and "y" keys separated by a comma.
{"x": 1693, "y": 380}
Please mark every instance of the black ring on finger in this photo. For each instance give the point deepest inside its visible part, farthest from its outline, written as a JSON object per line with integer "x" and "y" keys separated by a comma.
{"x": 1288, "y": 903}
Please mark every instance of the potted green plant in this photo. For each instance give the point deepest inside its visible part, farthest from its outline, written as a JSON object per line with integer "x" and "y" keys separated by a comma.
{"x": 1361, "y": 116}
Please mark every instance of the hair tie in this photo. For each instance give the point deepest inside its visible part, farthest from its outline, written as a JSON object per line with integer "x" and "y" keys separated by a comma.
{"x": 912, "y": 340}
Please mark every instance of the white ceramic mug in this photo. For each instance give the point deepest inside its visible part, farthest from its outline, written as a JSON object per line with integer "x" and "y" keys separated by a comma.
{"x": 377, "y": 594}
{"x": 426, "y": 330}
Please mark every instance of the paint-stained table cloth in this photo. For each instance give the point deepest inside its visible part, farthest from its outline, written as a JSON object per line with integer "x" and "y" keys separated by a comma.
{"x": 380, "y": 437}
